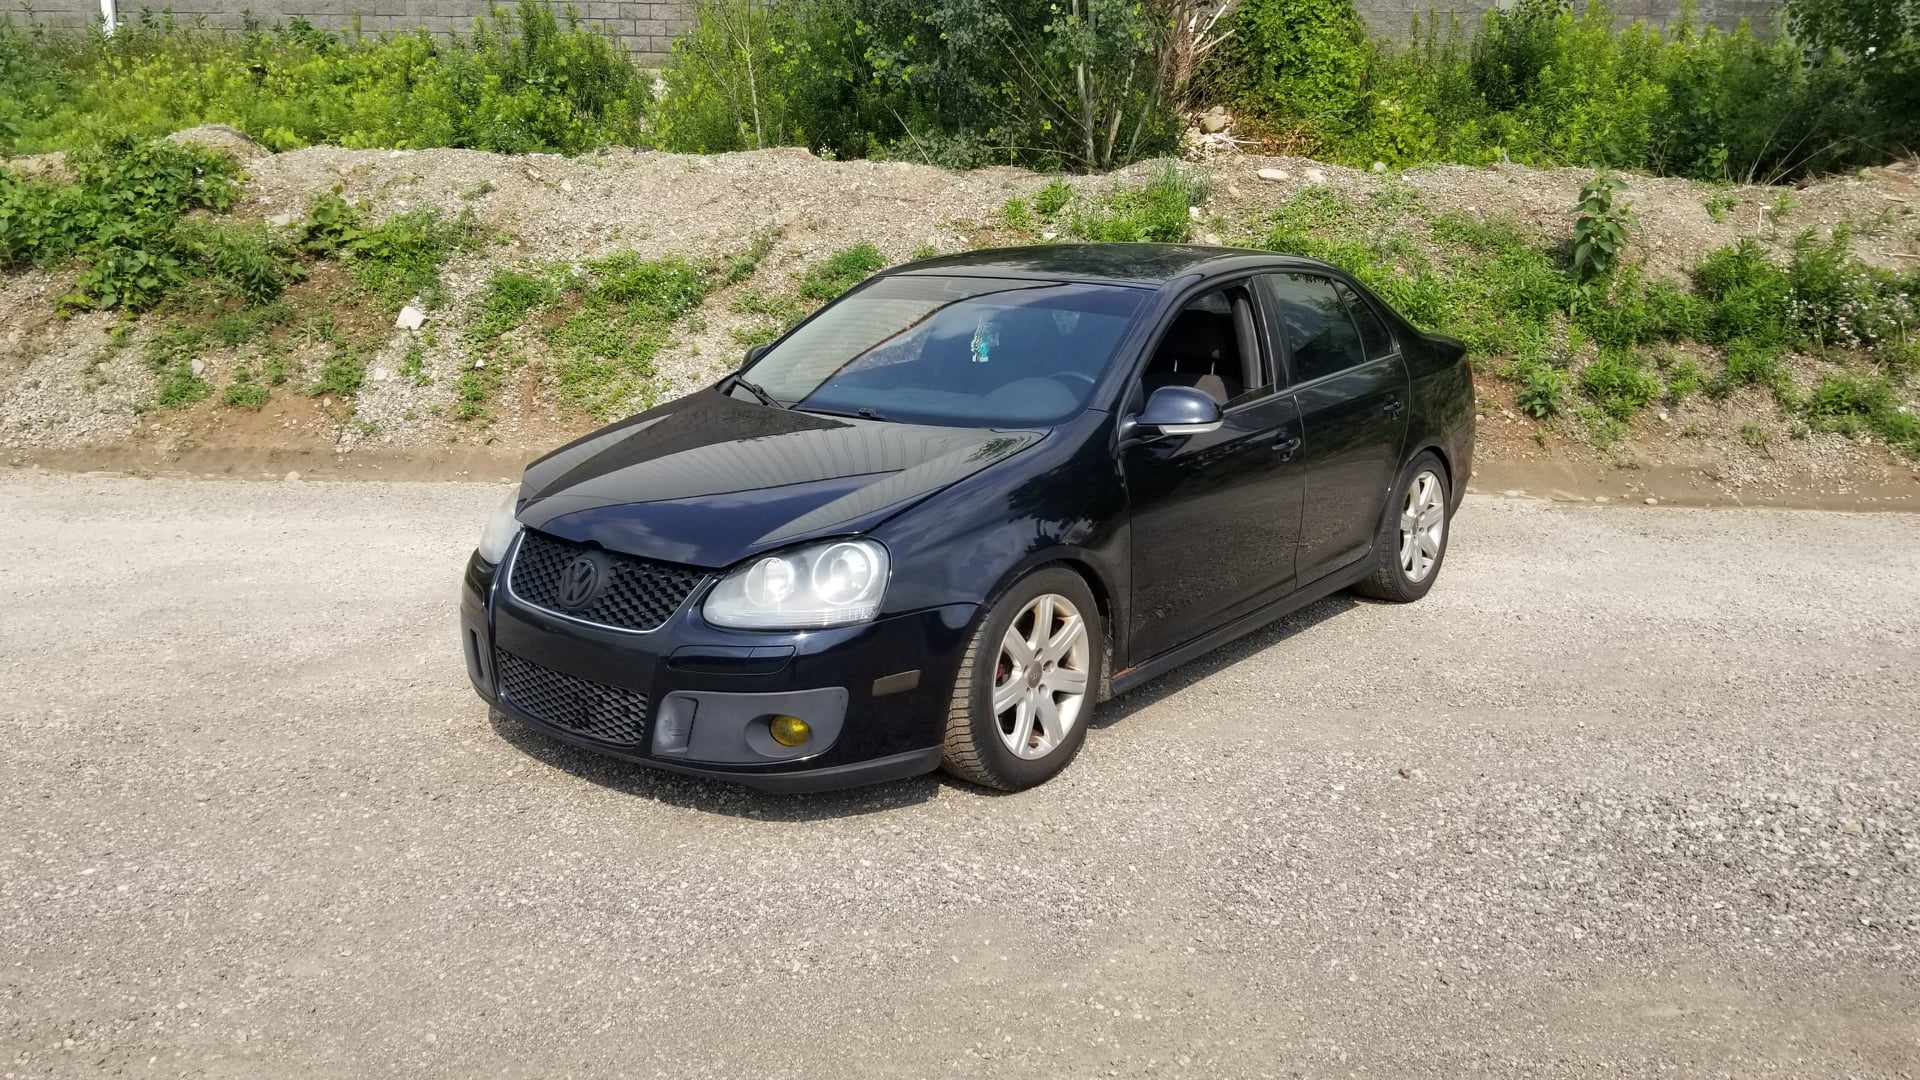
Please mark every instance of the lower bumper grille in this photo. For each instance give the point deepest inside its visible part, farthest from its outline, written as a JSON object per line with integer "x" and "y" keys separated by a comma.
{"x": 608, "y": 713}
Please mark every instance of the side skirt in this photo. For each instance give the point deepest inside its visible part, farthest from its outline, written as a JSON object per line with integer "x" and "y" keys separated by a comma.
{"x": 1124, "y": 681}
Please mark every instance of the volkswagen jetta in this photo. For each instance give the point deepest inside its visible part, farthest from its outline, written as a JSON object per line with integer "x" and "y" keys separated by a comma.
{"x": 941, "y": 520}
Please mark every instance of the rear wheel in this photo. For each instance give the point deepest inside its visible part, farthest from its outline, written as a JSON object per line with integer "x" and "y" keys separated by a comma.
{"x": 1026, "y": 685}
{"x": 1413, "y": 534}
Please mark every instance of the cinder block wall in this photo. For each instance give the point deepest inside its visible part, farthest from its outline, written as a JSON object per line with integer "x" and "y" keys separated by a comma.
{"x": 647, "y": 27}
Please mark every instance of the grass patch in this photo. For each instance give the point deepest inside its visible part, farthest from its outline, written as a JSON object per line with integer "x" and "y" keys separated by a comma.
{"x": 606, "y": 347}
{"x": 246, "y": 391}
{"x": 776, "y": 314}
{"x": 1855, "y": 404}
{"x": 1159, "y": 211}
{"x": 509, "y": 297}
{"x": 342, "y": 375}
{"x": 170, "y": 355}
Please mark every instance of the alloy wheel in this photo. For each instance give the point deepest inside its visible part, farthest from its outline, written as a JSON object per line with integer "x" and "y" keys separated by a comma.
{"x": 1423, "y": 526}
{"x": 1040, "y": 678}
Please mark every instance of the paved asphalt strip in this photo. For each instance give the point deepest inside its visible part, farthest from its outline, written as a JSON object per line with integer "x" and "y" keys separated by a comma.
{"x": 1635, "y": 791}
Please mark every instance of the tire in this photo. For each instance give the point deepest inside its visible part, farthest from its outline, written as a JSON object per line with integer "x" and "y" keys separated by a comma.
{"x": 1392, "y": 578}
{"x": 978, "y": 737}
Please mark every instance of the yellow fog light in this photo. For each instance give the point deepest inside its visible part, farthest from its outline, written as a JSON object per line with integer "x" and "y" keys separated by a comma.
{"x": 790, "y": 730}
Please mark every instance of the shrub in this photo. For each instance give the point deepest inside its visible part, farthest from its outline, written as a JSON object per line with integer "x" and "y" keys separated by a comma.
{"x": 1053, "y": 198}
{"x": 1512, "y": 51}
{"x": 1751, "y": 363}
{"x": 400, "y": 258}
{"x": 1852, "y": 404}
{"x": 1543, "y": 389}
{"x": 1304, "y": 59}
{"x": 1747, "y": 294}
{"x": 1835, "y": 300}
{"x": 959, "y": 85}
{"x": 242, "y": 261}
{"x": 523, "y": 80}
{"x": 1544, "y": 85}
{"x": 1600, "y": 231}
{"x": 1684, "y": 380}
{"x": 1619, "y": 384}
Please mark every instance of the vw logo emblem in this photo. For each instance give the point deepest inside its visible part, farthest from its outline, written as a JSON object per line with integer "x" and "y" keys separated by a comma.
{"x": 581, "y": 581}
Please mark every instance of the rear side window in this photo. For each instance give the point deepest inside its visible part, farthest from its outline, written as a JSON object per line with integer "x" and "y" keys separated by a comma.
{"x": 1373, "y": 333}
{"x": 1313, "y": 320}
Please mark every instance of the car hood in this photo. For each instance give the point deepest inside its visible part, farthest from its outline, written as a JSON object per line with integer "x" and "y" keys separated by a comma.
{"x": 709, "y": 480}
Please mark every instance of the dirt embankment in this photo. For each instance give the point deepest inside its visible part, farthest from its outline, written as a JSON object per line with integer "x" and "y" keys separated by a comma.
{"x": 76, "y": 394}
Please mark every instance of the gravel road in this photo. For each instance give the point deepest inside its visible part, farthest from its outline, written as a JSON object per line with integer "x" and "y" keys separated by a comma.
{"x": 1635, "y": 791}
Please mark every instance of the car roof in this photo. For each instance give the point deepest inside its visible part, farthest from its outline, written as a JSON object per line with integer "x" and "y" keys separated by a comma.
{"x": 1144, "y": 265}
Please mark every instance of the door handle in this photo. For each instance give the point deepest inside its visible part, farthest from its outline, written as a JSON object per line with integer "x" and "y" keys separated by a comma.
{"x": 1393, "y": 406}
{"x": 1286, "y": 447}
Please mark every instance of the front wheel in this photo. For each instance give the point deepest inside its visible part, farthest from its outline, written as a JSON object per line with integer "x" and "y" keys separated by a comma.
{"x": 1026, "y": 685}
{"x": 1413, "y": 534}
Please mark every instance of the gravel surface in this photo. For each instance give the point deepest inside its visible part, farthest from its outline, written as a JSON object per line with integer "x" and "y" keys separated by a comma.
{"x": 1633, "y": 792}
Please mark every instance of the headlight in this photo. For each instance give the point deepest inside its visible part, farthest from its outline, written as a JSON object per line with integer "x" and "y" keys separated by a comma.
{"x": 500, "y": 529}
{"x": 829, "y": 584}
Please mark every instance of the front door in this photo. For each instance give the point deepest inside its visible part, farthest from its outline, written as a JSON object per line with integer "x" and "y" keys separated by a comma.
{"x": 1216, "y": 516}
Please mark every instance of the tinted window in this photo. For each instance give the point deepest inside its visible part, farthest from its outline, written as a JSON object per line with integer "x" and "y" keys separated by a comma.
{"x": 974, "y": 352}
{"x": 1207, "y": 347}
{"x": 1313, "y": 320}
{"x": 1373, "y": 333}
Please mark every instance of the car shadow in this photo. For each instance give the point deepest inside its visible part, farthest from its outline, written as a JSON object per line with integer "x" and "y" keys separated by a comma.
{"x": 1125, "y": 705}
{"x": 713, "y": 796}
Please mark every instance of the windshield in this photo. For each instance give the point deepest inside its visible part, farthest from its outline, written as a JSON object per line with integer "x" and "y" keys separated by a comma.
{"x": 969, "y": 352}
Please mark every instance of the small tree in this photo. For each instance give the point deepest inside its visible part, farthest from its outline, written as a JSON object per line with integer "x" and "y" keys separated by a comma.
{"x": 1600, "y": 232}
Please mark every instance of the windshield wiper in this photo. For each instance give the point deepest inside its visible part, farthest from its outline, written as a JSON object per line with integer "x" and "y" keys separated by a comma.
{"x": 861, "y": 413}
{"x": 757, "y": 391}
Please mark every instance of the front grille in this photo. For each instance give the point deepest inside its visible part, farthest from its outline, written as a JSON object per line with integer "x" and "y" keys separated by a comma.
{"x": 639, "y": 594}
{"x": 607, "y": 713}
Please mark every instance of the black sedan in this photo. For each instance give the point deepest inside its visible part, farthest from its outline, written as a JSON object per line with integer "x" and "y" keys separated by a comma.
{"x": 942, "y": 519}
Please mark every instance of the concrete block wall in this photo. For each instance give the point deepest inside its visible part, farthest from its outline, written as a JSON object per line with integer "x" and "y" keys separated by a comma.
{"x": 647, "y": 27}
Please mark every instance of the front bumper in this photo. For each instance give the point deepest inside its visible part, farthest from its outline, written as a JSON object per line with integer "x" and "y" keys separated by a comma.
{"x": 876, "y": 695}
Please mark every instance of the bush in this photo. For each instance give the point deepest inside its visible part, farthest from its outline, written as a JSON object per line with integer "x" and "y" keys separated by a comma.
{"x": 1543, "y": 389}
{"x": 523, "y": 80}
{"x": 1296, "y": 59}
{"x": 1835, "y": 300}
{"x": 1545, "y": 85}
{"x": 1619, "y": 384}
{"x": 958, "y": 85}
{"x": 400, "y": 258}
{"x": 242, "y": 261}
{"x": 1852, "y": 404}
{"x": 1747, "y": 294}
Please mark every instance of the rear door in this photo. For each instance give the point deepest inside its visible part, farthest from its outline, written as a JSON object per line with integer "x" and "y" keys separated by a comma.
{"x": 1216, "y": 516}
{"x": 1352, "y": 408}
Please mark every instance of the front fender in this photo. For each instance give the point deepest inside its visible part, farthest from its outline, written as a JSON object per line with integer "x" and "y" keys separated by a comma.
{"x": 1061, "y": 501}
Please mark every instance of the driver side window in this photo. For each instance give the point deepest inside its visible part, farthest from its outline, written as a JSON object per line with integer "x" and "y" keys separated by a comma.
{"x": 1212, "y": 346}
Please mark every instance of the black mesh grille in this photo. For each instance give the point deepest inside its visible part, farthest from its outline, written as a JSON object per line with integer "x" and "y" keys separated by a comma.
{"x": 607, "y": 713}
{"x": 639, "y": 594}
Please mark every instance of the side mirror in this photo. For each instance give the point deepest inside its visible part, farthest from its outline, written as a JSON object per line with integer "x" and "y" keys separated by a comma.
{"x": 755, "y": 353}
{"x": 1176, "y": 410}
